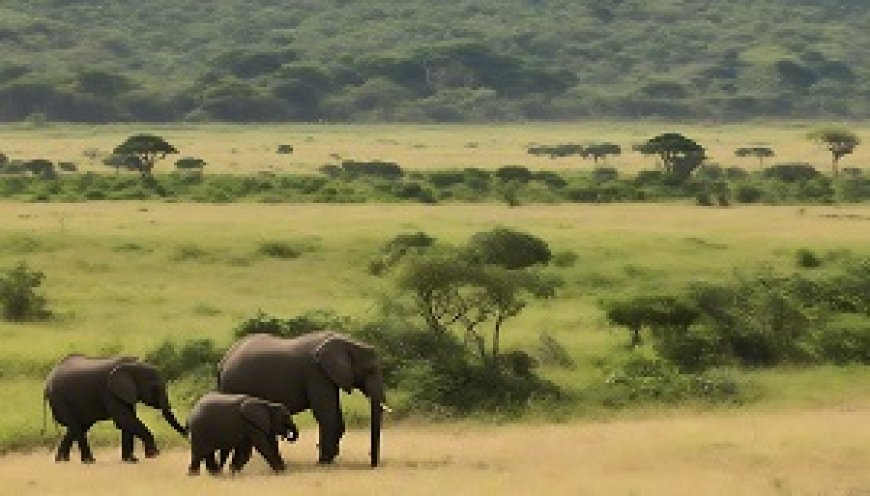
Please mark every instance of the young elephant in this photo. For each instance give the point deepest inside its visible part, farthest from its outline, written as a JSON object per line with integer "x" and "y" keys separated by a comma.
{"x": 82, "y": 391}
{"x": 237, "y": 423}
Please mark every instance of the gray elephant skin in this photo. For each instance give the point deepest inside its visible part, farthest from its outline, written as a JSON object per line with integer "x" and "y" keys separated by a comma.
{"x": 82, "y": 391}
{"x": 307, "y": 372}
{"x": 237, "y": 423}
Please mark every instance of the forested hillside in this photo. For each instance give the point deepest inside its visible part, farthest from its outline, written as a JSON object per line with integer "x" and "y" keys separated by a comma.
{"x": 418, "y": 60}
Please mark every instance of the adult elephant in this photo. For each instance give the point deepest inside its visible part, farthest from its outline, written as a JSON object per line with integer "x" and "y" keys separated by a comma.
{"x": 307, "y": 372}
{"x": 82, "y": 391}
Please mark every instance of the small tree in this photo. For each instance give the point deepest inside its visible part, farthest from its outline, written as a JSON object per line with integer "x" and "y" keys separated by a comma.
{"x": 18, "y": 297}
{"x": 679, "y": 155}
{"x": 601, "y": 151}
{"x": 840, "y": 142}
{"x": 759, "y": 152}
{"x": 147, "y": 149}
{"x": 508, "y": 248}
{"x": 190, "y": 164}
{"x": 649, "y": 311}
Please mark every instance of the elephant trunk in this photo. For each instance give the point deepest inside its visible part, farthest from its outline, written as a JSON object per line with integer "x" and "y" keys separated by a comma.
{"x": 374, "y": 389}
{"x": 377, "y": 418}
{"x": 166, "y": 409}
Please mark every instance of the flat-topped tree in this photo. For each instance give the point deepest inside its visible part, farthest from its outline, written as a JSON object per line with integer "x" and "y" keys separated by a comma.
{"x": 679, "y": 155}
{"x": 840, "y": 142}
{"x": 147, "y": 149}
{"x": 759, "y": 152}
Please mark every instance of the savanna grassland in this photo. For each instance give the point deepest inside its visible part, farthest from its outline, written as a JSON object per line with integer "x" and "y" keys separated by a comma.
{"x": 248, "y": 149}
{"x": 124, "y": 276}
{"x": 814, "y": 451}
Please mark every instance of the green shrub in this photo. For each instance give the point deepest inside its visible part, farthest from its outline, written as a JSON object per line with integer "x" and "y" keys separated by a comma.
{"x": 279, "y": 249}
{"x": 313, "y": 320}
{"x": 550, "y": 352}
{"x": 791, "y": 172}
{"x": 807, "y": 259}
{"x": 19, "y": 298}
{"x": 846, "y": 339}
{"x": 516, "y": 173}
{"x": 175, "y": 361}
{"x": 508, "y": 248}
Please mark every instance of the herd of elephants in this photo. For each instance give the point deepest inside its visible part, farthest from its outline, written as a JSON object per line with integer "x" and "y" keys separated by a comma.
{"x": 262, "y": 380}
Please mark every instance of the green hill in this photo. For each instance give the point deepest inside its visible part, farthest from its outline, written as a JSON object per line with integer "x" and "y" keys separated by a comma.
{"x": 417, "y": 60}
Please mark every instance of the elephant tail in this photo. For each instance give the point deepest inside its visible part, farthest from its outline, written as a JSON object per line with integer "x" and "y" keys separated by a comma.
{"x": 44, "y": 413}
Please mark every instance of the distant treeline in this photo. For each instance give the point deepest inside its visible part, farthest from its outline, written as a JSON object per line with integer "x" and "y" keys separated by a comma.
{"x": 377, "y": 181}
{"x": 411, "y": 60}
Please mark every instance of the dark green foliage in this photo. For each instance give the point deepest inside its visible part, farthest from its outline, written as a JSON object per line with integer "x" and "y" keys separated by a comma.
{"x": 374, "y": 168}
{"x": 642, "y": 377}
{"x": 601, "y": 151}
{"x": 604, "y": 174}
{"x": 846, "y": 339}
{"x": 313, "y": 320}
{"x": 840, "y": 142}
{"x": 175, "y": 361}
{"x": 508, "y": 248}
{"x": 807, "y": 259}
{"x": 279, "y": 249}
{"x": 759, "y": 152}
{"x": 791, "y": 172}
{"x": 650, "y": 311}
{"x": 146, "y": 148}
{"x": 285, "y": 149}
{"x": 556, "y": 151}
{"x": 516, "y": 173}
{"x": 19, "y": 296}
{"x": 190, "y": 163}
{"x": 395, "y": 249}
{"x": 679, "y": 155}
{"x": 41, "y": 168}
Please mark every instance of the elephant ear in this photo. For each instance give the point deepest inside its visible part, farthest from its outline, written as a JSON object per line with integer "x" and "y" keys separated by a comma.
{"x": 334, "y": 358}
{"x": 121, "y": 384}
{"x": 256, "y": 412}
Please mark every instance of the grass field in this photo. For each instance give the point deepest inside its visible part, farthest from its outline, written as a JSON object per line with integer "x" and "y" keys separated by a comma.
{"x": 814, "y": 451}
{"x": 247, "y": 149}
{"x": 124, "y": 276}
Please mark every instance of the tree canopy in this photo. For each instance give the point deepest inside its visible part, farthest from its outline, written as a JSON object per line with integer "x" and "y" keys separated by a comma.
{"x": 840, "y": 142}
{"x": 679, "y": 155}
{"x": 146, "y": 149}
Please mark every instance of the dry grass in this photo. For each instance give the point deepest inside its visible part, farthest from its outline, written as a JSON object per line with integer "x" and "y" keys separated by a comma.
{"x": 818, "y": 452}
{"x": 246, "y": 149}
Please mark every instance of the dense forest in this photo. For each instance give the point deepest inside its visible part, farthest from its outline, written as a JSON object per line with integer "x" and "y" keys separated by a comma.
{"x": 415, "y": 60}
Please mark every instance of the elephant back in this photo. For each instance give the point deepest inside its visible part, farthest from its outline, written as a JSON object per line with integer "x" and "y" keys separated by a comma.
{"x": 272, "y": 368}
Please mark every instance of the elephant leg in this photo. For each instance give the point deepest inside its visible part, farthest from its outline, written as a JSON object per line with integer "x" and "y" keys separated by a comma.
{"x": 223, "y": 454}
{"x": 195, "y": 461}
{"x": 65, "y": 445}
{"x": 127, "y": 447}
{"x": 85, "y": 448}
{"x": 269, "y": 451}
{"x": 327, "y": 412}
{"x": 212, "y": 465}
{"x": 75, "y": 432}
{"x": 125, "y": 419}
{"x": 241, "y": 455}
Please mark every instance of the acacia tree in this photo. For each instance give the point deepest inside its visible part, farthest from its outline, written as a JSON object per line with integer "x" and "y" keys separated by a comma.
{"x": 759, "y": 152}
{"x": 601, "y": 151}
{"x": 649, "y": 311}
{"x": 840, "y": 142}
{"x": 679, "y": 155}
{"x": 145, "y": 150}
{"x": 452, "y": 293}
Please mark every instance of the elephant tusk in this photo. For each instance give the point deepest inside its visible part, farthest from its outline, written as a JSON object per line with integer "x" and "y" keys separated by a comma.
{"x": 386, "y": 408}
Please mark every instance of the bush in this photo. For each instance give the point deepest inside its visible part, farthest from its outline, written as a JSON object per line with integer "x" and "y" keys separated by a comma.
{"x": 279, "y": 249}
{"x": 376, "y": 168}
{"x": 313, "y": 320}
{"x": 846, "y": 339}
{"x": 516, "y": 173}
{"x": 284, "y": 149}
{"x": 175, "y": 361}
{"x": 643, "y": 377}
{"x": 807, "y": 259}
{"x": 791, "y": 172}
{"x": 395, "y": 249}
{"x": 508, "y": 248}
{"x": 19, "y": 298}
{"x": 604, "y": 174}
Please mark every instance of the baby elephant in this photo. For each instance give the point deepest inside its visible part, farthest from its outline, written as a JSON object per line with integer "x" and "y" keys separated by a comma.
{"x": 237, "y": 423}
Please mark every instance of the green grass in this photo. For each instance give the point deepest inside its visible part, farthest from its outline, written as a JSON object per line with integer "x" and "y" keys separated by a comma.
{"x": 122, "y": 277}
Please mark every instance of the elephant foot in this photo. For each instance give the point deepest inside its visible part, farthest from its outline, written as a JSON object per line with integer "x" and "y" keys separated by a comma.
{"x": 89, "y": 460}
{"x": 61, "y": 458}
{"x": 325, "y": 461}
{"x": 151, "y": 452}
{"x": 192, "y": 472}
{"x": 130, "y": 459}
